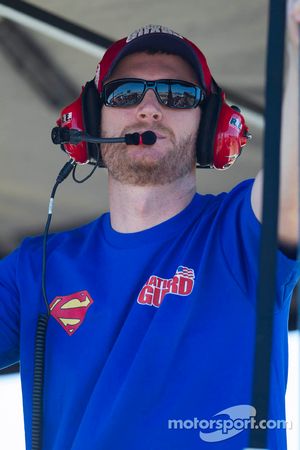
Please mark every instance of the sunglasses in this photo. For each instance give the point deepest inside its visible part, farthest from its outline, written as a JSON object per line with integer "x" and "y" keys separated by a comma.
{"x": 127, "y": 92}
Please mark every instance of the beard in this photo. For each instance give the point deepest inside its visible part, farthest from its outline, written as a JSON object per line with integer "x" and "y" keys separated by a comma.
{"x": 178, "y": 159}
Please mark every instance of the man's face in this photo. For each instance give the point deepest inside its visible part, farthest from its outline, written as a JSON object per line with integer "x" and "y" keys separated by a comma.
{"x": 173, "y": 154}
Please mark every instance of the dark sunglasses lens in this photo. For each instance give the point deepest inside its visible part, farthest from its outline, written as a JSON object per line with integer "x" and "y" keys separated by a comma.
{"x": 177, "y": 95}
{"x": 124, "y": 93}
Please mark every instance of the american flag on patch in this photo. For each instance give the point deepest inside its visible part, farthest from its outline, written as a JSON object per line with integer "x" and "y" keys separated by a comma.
{"x": 185, "y": 272}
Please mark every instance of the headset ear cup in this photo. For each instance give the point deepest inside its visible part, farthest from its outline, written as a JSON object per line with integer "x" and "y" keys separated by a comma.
{"x": 91, "y": 112}
{"x": 207, "y": 130}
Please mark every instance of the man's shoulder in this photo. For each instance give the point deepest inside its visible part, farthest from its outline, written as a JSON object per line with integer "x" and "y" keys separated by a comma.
{"x": 235, "y": 195}
{"x": 70, "y": 236}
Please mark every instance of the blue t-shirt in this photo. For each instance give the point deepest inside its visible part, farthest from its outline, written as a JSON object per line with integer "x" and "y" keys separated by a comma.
{"x": 151, "y": 334}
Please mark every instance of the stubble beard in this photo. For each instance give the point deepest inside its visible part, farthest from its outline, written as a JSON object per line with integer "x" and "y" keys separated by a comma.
{"x": 178, "y": 160}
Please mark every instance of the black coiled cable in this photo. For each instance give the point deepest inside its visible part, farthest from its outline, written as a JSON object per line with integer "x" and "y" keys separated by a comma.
{"x": 41, "y": 330}
{"x": 38, "y": 381}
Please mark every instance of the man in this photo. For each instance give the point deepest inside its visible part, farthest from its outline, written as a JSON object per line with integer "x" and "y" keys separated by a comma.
{"x": 152, "y": 306}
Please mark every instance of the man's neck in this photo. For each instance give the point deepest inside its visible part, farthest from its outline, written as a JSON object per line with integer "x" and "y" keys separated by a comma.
{"x": 136, "y": 208}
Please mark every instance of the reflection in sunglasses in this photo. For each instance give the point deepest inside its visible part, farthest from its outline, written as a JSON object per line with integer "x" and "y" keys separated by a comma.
{"x": 171, "y": 93}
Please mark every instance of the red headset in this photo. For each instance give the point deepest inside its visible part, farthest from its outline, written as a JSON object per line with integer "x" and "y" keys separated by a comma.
{"x": 222, "y": 132}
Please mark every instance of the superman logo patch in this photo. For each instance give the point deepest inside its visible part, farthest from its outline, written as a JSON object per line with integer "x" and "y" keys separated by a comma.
{"x": 70, "y": 310}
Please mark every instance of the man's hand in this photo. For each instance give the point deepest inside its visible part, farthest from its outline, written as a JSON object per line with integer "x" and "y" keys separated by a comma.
{"x": 289, "y": 152}
{"x": 293, "y": 21}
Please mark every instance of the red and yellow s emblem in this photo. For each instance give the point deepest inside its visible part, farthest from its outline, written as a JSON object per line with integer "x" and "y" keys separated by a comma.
{"x": 70, "y": 310}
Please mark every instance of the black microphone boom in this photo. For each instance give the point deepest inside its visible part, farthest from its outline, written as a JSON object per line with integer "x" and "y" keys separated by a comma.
{"x": 132, "y": 139}
{"x": 146, "y": 138}
{"x": 64, "y": 135}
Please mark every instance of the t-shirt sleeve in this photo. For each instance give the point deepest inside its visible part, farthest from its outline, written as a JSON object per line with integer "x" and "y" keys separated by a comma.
{"x": 240, "y": 244}
{"x": 9, "y": 310}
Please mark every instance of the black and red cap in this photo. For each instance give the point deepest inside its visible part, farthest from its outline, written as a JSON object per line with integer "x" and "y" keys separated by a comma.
{"x": 154, "y": 37}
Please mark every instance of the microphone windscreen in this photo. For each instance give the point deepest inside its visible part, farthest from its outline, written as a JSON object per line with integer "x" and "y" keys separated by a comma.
{"x": 149, "y": 138}
{"x": 132, "y": 139}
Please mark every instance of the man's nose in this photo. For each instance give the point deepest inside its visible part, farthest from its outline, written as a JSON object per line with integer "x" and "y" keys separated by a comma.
{"x": 149, "y": 108}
